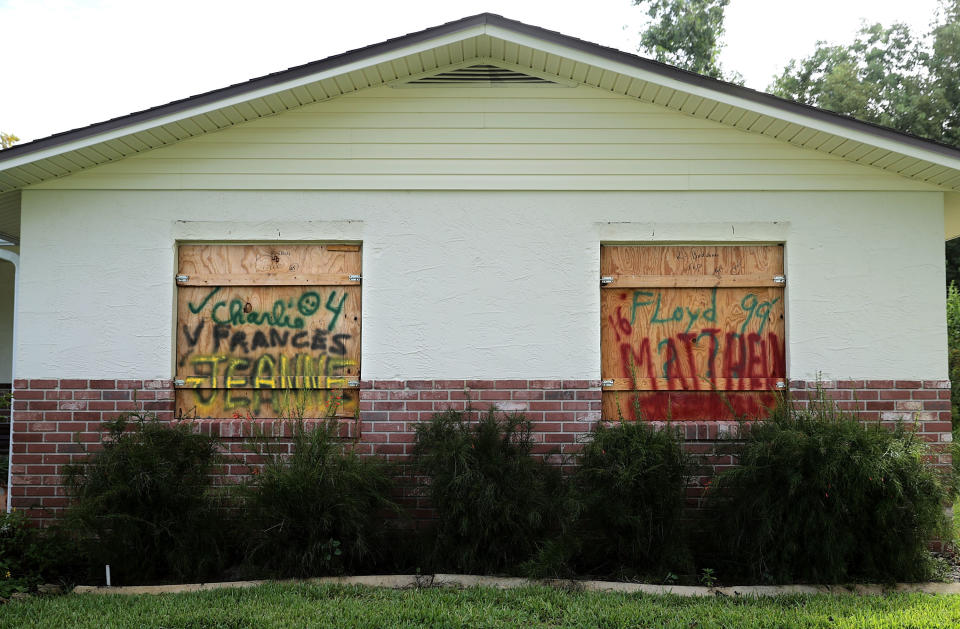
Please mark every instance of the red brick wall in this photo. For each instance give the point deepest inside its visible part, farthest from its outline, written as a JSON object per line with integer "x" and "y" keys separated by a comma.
{"x": 4, "y": 425}
{"x": 56, "y": 421}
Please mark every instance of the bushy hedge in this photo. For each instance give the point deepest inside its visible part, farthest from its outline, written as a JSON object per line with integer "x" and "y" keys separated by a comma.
{"x": 820, "y": 496}
{"x": 495, "y": 502}
{"x": 321, "y": 509}
{"x": 30, "y": 556}
{"x": 145, "y": 505}
{"x": 626, "y": 507}
{"x": 631, "y": 483}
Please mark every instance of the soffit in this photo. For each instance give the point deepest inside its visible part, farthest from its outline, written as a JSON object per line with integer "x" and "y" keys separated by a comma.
{"x": 484, "y": 39}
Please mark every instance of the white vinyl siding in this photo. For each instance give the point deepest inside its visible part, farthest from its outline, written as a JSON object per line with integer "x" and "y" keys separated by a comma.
{"x": 519, "y": 138}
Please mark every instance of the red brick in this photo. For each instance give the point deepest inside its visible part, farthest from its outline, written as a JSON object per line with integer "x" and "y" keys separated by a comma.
{"x": 851, "y": 384}
{"x": 21, "y": 394}
{"x": 580, "y": 384}
{"x": 74, "y": 384}
{"x": 494, "y": 395}
{"x": 44, "y": 384}
{"x": 936, "y": 426}
{"x": 879, "y": 384}
{"x": 479, "y": 384}
{"x": 510, "y": 384}
{"x": 450, "y": 384}
{"x": 419, "y": 384}
{"x": 130, "y": 384}
{"x": 434, "y": 395}
{"x": 527, "y": 395}
{"x": 546, "y": 384}
{"x": 387, "y": 384}
{"x": 404, "y": 395}
{"x": 546, "y": 406}
{"x": 103, "y": 384}
{"x": 908, "y": 384}
{"x": 894, "y": 395}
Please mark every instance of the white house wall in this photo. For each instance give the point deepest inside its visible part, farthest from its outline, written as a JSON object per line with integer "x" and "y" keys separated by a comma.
{"x": 482, "y": 284}
{"x": 516, "y": 138}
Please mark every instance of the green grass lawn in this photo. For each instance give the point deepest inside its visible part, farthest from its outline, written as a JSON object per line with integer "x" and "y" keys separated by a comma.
{"x": 288, "y": 605}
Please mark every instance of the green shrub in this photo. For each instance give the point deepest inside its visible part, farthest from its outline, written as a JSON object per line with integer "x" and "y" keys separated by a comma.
{"x": 30, "y": 556}
{"x": 631, "y": 485}
{"x": 320, "y": 510}
{"x": 953, "y": 350}
{"x": 820, "y": 496}
{"x": 495, "y": 503}
{"x": 144, "y": 505}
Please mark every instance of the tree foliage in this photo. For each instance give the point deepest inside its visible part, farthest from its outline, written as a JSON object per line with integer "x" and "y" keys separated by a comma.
{"x": 887, "y": 76}
{"x": 686, "y": 33}
{"x": 7, "y": 140}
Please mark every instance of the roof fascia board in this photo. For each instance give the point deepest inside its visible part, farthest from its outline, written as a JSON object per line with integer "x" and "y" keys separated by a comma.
{"x": 781, "y": 113}
{"x": 244, "y": 97}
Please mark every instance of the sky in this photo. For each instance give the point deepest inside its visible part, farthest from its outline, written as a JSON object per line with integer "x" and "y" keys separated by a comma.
{"x": 69, "y": 63}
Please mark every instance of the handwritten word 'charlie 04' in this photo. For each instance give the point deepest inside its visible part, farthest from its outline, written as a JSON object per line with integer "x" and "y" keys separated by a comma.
{"x": 281, "y": 314}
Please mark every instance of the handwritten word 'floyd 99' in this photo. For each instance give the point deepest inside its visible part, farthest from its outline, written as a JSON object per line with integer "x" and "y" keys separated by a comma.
{"x": 692, "y": 336}
{"x": 239, "y": 343}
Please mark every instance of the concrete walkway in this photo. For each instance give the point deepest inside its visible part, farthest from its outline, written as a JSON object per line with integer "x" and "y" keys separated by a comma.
{"x": 409, "y": 581}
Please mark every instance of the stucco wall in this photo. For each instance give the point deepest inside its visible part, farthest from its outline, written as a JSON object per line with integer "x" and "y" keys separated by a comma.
{"x": 482, "y": 284}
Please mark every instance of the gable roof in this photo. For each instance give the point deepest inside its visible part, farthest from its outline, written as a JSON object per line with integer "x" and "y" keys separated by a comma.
{"x": 452, "y": 45}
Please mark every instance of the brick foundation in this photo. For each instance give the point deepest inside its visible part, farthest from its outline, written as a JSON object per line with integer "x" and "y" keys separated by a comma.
{"x": 56, "y": 421}
{"x": 4, "y": 425}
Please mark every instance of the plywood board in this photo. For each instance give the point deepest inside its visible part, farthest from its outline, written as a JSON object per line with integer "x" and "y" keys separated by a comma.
{"x": 267, "y": 349}
{"x": 259, "y": 262}
{"x": 681, "y": 344}
{"x": 691, "y": 260}
{"x": 687, "y": 405}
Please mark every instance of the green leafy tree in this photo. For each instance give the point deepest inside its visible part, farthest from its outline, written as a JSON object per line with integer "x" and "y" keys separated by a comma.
{"x": 887, "y": 76}
{"x": 7, "y": 140}
{"x": 686, "y": 33}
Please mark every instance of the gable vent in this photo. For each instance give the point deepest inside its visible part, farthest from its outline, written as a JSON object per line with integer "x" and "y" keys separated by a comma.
{"x": 480, "y": 75}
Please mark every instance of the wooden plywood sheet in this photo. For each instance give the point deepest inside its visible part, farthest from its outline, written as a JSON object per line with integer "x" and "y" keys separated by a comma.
{"x": 268, "y": 349}
{"x": 680, "y": 346}
{"x": 262, "y": 263}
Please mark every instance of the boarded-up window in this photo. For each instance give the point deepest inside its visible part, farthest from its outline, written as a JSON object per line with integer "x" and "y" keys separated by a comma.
{"x": 691, "y": 332}
{"x": 268, "y": 330}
